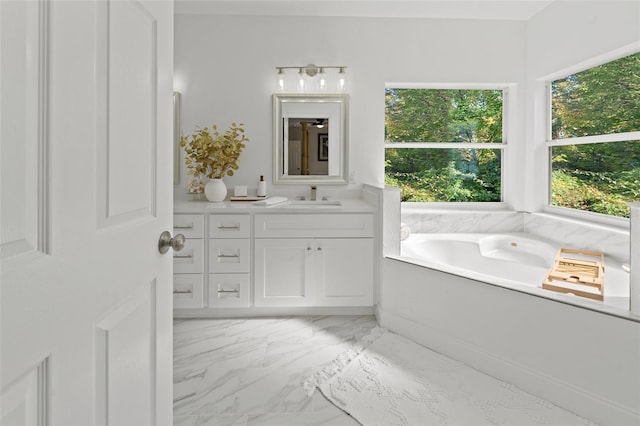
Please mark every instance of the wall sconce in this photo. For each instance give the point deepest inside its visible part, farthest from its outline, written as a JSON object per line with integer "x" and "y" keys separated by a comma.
{"x": 312, "y": 79}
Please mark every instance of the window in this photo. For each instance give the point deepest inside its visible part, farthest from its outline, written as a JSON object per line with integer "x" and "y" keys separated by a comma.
{"x": 594, "y": 138}
{"x": 444, "y": 145}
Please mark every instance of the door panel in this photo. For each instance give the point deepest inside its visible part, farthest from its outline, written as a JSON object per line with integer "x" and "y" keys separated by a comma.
{"x": 22, "y": 83}
{"x": 124, "y": 346}
{"x": 24, "y": 401}
{"x": 90, "y": 317}
{"x": 127, "y": 75}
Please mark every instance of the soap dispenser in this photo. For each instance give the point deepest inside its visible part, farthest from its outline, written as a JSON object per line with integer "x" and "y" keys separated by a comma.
{"x": 262, "y": 187}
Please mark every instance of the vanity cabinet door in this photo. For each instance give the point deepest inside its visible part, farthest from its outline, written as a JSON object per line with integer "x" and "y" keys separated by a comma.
{"x": 229, "y": 290}
{"x": 345, "y": 272}
{"x": 189, "y": 225}
{"x": 283, "y": 272}
{"x": 189, "y": 260}
{"x": 229, "y": 255}
{"x": 314, "y": 272}
{"x": 187, "y": 291}
{"x": 229, "y": 226}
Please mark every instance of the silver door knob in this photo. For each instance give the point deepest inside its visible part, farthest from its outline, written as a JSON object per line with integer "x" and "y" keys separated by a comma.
{"x": 176, "y": 243}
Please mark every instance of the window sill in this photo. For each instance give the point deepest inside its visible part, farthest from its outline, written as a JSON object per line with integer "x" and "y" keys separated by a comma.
{"x": 462, "y": 206}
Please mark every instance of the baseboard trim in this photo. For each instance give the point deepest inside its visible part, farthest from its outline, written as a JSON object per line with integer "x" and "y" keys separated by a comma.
{"x": 271, "y": 312}
{"x": 558, "y": 392}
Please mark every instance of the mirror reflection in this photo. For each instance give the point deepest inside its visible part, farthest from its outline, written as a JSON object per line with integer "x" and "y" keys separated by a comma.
{"x": 308, "y": 146}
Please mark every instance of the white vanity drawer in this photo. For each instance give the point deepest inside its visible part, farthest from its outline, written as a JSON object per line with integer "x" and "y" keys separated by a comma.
{"x": 188, "y": 291}
{"x": 228, "y": 290}
{"x": 189, "y": 225}
{"x": 229, "y": 255}
{"x": 313, "y": 225}
{"x": 190, "y": 259}
{"x": 229, "y": 226}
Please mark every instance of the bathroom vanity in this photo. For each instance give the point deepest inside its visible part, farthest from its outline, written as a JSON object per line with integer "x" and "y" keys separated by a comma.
{"x": 244, "y": 259}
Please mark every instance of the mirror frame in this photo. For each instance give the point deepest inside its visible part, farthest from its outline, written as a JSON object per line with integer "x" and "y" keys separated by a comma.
{"x": 341, "y": 146}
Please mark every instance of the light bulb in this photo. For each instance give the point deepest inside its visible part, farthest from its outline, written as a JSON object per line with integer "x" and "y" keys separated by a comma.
{"x": 301, "y": 85}
{"x": 342, "y": 80}
{"x": 322, "y": 80}
{"x": 281, "y": 83}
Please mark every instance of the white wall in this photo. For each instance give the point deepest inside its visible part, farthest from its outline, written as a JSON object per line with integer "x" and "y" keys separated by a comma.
{"x": 567, "y": 33}
{"x": 569, "y": 36}
{"x": 225, "y": 70}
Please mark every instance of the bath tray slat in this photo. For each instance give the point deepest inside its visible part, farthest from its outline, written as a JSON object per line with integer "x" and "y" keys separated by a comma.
{"x": 579, "y": 276}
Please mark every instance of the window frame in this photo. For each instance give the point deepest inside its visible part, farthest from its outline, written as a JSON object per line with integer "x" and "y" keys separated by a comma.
{"x": 550, "y": 143}
{"x": 508, "y": 91}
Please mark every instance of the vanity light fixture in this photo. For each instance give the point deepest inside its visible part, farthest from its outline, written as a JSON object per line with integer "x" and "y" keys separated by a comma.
{"x": 312, "y": 79}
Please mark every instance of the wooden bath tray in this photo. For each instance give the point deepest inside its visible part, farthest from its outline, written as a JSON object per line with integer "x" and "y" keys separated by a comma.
{"x": 579, "y": 272}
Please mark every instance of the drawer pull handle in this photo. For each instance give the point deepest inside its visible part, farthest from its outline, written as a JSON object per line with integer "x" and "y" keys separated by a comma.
{"x": 229, "y": 228}
{"x": 183, "y": 226}
{"x": 227, "y": 256}
{"x": 229, "y": 291}
{"x": 182, "y": 291}
{"x": 188, "y": 256}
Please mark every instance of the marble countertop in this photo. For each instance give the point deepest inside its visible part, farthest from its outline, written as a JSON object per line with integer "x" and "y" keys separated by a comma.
{"x": 347, "y": 206}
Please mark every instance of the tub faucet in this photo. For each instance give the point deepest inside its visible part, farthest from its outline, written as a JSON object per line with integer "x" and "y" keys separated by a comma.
{"x": 314, "y": 190}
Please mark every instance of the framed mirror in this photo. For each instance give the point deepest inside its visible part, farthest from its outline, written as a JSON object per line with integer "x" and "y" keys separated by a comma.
{"x": 310, "y": 139}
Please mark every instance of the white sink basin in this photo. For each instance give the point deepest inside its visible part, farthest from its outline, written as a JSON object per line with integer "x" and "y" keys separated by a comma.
{"x": 313, "y": 204}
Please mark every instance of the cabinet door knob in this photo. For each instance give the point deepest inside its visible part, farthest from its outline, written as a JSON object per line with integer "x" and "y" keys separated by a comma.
{"x": 166, "y": 241}
{"x": 319, "y": 248}
{"x": 308, "y": 247}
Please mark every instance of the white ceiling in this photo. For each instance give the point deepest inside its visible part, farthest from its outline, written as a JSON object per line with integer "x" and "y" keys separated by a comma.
{"x": 454, "y": 9}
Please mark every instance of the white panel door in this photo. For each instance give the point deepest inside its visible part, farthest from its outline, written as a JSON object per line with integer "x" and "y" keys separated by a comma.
{"x": 86, "y": 296}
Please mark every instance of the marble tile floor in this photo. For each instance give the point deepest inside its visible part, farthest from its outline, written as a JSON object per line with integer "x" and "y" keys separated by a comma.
{"x": 250, "y": 372}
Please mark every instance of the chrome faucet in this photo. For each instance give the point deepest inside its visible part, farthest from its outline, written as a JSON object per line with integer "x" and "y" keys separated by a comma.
{"x": 314, "y": 190}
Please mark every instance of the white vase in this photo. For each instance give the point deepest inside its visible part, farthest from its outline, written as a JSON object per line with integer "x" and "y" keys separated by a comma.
{"x": 215, "y": 190}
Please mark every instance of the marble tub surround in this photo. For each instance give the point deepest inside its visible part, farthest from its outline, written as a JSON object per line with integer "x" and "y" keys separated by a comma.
{"x": 447, "y": 221}
{"x": 567, "y": 232}
{"x": 613, "y": 242}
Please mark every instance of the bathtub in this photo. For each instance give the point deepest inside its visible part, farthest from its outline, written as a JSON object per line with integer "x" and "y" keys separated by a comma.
{"x": 477, "y": 298}
{"x": 517, "y": 261}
